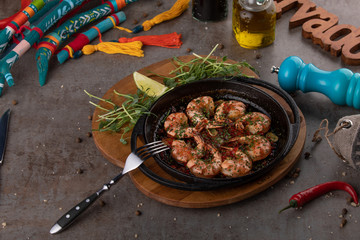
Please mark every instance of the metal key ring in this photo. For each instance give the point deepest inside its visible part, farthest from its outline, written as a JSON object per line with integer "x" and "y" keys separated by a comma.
{"x": 346, "y": 123}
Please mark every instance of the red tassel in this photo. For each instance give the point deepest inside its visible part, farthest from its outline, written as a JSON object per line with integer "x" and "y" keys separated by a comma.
{"x": 171, "y": 40}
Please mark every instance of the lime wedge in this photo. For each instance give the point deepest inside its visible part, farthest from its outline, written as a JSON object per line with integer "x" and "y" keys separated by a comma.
{"x": 149, "y": 86}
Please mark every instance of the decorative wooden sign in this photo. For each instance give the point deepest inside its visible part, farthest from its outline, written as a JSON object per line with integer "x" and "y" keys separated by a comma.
{"x": 323, "y": 29}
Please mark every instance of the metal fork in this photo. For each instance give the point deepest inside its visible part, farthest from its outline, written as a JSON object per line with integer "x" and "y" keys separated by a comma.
{"x": 133, "y": 161}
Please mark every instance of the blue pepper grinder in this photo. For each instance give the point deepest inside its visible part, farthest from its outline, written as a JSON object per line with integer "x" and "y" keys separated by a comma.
{"x": 341, "y": 86}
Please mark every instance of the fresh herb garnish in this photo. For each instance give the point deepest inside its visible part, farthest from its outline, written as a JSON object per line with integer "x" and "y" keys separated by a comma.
{"x": 202, "y": 68}
{"x": 122, "y": 119}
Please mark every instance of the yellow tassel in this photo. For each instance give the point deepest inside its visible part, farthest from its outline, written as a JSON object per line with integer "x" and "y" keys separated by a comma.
{"x": 178, "y": 8}
{"x": 131, "y": 48}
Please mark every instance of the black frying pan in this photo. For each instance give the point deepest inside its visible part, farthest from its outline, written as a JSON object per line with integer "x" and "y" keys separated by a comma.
{"x": 238, "y": 88}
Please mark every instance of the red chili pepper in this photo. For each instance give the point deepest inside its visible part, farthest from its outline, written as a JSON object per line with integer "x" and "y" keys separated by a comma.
{"x": 299, "y": 199}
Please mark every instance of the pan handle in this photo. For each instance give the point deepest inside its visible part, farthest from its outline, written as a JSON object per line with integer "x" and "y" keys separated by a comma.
{"x": 138, "y": 130}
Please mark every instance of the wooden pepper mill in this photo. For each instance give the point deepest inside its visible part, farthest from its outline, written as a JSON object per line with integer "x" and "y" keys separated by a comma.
{"x": 341, "y": 86}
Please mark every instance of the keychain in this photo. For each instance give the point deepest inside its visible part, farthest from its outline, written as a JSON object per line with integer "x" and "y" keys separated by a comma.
{"x": 346, "y": 139}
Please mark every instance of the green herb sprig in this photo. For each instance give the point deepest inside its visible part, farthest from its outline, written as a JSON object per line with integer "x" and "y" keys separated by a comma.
{"x": 202, "y": 68}
{"x": 122, "y": 119}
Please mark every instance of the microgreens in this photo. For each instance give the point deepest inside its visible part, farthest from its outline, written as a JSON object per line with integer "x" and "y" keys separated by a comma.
{"x": 122, "y": 119}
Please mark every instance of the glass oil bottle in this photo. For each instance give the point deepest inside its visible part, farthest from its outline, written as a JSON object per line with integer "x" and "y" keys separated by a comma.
{"x": 254, "y": 22}
{"x": 209, "y": 10}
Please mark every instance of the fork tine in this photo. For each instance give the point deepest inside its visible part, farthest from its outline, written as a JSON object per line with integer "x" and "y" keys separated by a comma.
{"x": 161, "y": 149}
{"x": 149, "y": 150}
{"x": 156, "y": 152}
{"x": 153, "y": 151}
{"x": 151, "y": 146}
{"x": 147, "y": 145}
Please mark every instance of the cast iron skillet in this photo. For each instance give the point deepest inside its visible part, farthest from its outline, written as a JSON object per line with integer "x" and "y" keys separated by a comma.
{"x": 238, "y": 88}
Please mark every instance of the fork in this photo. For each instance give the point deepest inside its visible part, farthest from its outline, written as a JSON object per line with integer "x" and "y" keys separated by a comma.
{"x": 133, "y": 161}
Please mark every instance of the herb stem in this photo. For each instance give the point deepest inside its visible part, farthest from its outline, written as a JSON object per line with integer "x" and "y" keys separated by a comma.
{"x": 98, "y": 98}
{"x": 98, "y": 106}
{"x": 127, "y": 113}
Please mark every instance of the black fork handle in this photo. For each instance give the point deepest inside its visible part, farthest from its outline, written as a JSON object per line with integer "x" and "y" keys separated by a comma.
{"x": 73, "y": 213}
{"x": 70, "y": 216}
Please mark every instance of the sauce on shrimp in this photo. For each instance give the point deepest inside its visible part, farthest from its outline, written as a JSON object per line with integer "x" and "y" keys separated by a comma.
{"x": 218, "y": 138}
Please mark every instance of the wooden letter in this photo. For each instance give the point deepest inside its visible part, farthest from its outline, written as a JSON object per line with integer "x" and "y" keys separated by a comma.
{"x": 306, "y": 12}
{"x": 335, "y": 38}
{"x": 351, "y": 49}
{"x": 286, "y": 5}
{"x": 315, "y": 28}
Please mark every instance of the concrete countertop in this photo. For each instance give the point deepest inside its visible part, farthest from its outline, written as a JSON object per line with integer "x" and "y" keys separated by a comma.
{"x": 46, "y": 171}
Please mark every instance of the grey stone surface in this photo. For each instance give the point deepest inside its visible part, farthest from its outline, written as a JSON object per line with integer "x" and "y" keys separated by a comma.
{"x": 39, "y": 179}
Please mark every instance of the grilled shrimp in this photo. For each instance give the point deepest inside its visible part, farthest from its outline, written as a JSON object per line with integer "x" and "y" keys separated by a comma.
{"x": 254, "y": 123}
{"x": 236, "y": 166}
{"x": 229, "y": 110}
{"x": 183, "y": 152}
{"x": 206, "y": 168}
{"x": 176, "y": 125}
{"x": 256, "y": 147}
{"x": 200, "y": 109}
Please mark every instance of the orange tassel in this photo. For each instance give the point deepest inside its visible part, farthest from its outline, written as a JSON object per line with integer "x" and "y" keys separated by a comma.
{"x": 171, "y": 40}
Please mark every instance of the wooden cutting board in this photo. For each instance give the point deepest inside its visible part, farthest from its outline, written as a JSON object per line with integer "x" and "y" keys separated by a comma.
{"x": 116, "y": 152}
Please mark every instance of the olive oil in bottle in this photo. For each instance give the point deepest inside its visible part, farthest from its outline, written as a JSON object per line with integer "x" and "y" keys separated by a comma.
{"x": 254, "y": 22}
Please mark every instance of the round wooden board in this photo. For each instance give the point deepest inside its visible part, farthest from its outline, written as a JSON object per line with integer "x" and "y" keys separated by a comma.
{"x": 110, "y": 146}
